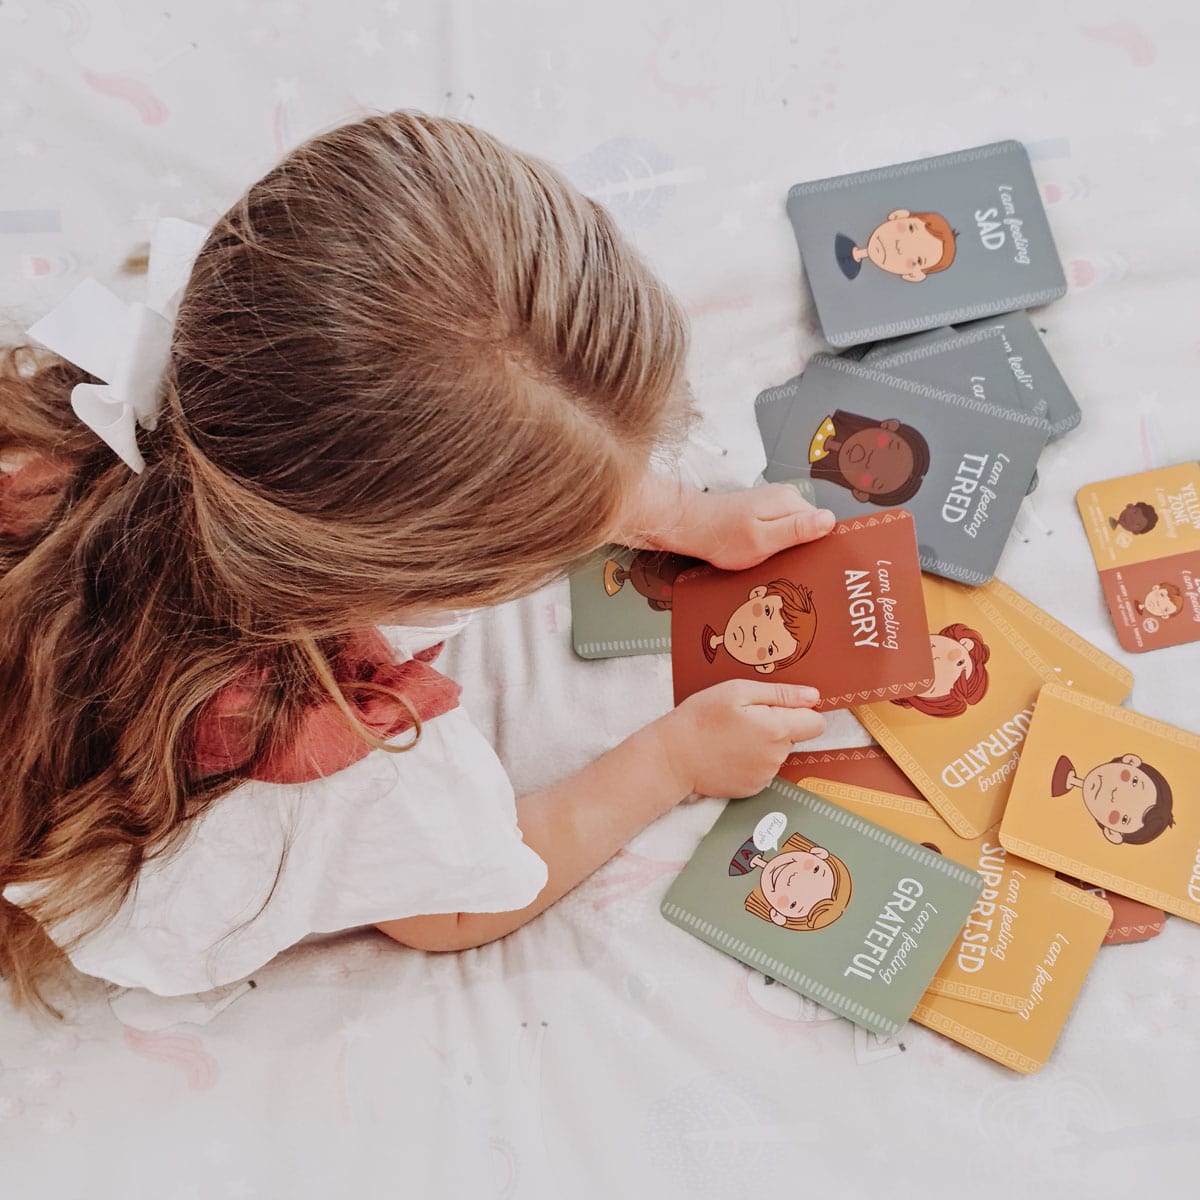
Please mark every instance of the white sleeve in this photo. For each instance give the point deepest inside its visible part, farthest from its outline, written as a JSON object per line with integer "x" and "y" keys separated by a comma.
{"x": 431, "y": 830}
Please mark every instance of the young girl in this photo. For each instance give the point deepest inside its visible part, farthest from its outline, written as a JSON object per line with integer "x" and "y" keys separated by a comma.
{"x": 412, "y": 372}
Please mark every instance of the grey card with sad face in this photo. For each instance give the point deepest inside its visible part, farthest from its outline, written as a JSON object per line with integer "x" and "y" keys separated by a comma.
{"x": 869, "y": 440}
{"x": 921, "y": 244}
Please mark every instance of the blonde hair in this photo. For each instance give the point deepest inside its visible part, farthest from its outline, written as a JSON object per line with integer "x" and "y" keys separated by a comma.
{"x": 412, "y": 370}
{"x": 824, "y": 912}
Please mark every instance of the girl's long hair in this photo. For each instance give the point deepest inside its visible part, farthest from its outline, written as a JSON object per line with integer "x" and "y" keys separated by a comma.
{"x": 412, "y": 370}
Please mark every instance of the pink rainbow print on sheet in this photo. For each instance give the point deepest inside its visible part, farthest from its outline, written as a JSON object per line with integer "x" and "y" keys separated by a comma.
{"x": 183, "y": 1050}
{"x": 148, "y": 106}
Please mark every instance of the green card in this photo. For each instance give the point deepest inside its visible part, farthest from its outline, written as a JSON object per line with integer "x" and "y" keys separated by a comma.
{"x": 621, "y": 598}
{"x": 839, "y": 909}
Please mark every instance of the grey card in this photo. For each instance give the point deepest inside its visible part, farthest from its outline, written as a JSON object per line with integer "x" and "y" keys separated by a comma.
{"x": 1037, "y": 377}
{"x": 888, "y": 346}
{"x": 972, "y": 363}
{"x": 921, "y": 244}
{"x": 870, "y": 440}
{"x": 839, "y": 909}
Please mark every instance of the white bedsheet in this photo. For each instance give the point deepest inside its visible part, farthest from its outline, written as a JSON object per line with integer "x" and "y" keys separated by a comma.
{"x": 600, "y": 1052}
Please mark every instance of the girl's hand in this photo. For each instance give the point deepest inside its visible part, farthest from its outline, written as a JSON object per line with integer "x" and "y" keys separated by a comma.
{"x": 735, "y": 530}
{"x": 731, "y": 530}
{"x": 730, "y": 739}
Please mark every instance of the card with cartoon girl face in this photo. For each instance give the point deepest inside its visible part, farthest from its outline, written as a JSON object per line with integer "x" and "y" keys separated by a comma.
{"x": 868, "y": 439}
{"x": 1015, "y": 919}
{"x": 927, "y": 243}
{"x": 1144, "y": 531}
{"x": 837, "y": 908}
{"x": 1109, "y": 796}
{"x": 959, "y": 740}
{"x": 844, "y": 614}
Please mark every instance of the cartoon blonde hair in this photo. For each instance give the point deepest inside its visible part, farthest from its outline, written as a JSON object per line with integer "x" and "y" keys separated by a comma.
{"x": 824, "y": 912}
{"x": 413, "y": 370}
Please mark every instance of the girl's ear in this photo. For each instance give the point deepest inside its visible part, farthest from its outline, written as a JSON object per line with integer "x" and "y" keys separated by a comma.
{"x": 778, "y": 918}
{"x": 861, "y": 497}
{"x": 1113, "y": 836}
{"x": 758, "y": 593}
{"x": 966, "y": 644}
{"x": 1132, "y": 760}
{"x": 819, "y": 852}
{"x": 891, "y": 425}
{"x": 765, "y": 668}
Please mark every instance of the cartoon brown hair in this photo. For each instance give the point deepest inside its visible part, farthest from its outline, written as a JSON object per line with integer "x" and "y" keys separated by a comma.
{"x": 939, "y": 227}
{"x": 824, "y": 912}
{"x": 1174, "y": 594}
{"x": 1147, "y": 512}
{"x": 799, "y": 617}
{"x": 1159, "y": 816}
{"x": 966, "y": 690}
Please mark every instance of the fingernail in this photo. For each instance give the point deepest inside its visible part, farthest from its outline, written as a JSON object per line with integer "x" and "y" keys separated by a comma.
{"x": 823, "y": 520}
{"x": 807, "y": 693}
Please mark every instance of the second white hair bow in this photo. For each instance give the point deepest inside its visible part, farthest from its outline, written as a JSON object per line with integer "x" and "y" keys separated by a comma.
{"x": 126, "y": 345}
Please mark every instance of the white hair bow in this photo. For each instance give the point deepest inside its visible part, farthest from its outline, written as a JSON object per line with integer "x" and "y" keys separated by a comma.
{"x": 126, "y": 345}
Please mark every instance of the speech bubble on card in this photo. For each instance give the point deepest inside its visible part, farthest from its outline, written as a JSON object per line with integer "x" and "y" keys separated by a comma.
{"x": 767, "y": 831}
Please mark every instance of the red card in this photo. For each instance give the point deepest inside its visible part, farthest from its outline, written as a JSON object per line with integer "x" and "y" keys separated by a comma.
{"x": 845, "y": 614}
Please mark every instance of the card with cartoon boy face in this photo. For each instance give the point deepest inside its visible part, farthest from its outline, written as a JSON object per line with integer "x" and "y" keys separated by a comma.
{"x": 927, "y": 243}
{"x": 1144, "y": 531}
{"x": 959, "y": 740}
{"x": 868, "y": 439}
{"x": 840, "y": 909}
{"x": 1024, "y": 1040}
{"x": 1109, "y": 796}
{"x": 1014, "y": 920}
{"x": 843, "y": 614}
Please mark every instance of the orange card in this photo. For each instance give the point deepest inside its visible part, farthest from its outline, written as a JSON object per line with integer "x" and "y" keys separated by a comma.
{"x": 866, "y": 766}
{"x": 1109, "y": 796}
{"x": 844, "y": 614}
{"x": 1015, "y": 919}
{"x": 1132, "y": 920}
{"x": 1023, "y": 1040}
{"x": 959, "y": 740}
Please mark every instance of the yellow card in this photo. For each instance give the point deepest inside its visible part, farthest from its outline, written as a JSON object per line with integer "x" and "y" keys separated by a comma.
{"x": 1075, "y": 662}
{"x": 959, "y": 741}
{"x": 1137, "y": 518}
{"x": 1023, "y": 1040}
{"x": 1015, "y": 919}
{"x": 1109, "y": 796}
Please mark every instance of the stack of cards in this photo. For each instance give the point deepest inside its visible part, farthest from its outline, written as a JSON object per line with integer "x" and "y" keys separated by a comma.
{"x": 949, "y": 423}
{"x": 1144, "y": 531}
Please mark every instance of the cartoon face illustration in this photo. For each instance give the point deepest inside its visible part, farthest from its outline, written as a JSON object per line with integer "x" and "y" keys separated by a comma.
{"x": 1129, "y": 799}
{"x": 880, "y": 462}
{"x": 910, "y": 245}
{"x": 960, "y": 675}
{"x": 651, "y": 574}
{"x": 773, "y": 628}
{"x": 802, "y": 888}
{"x": 1162, "y": 600}
{"x": 1135, "y": 518}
